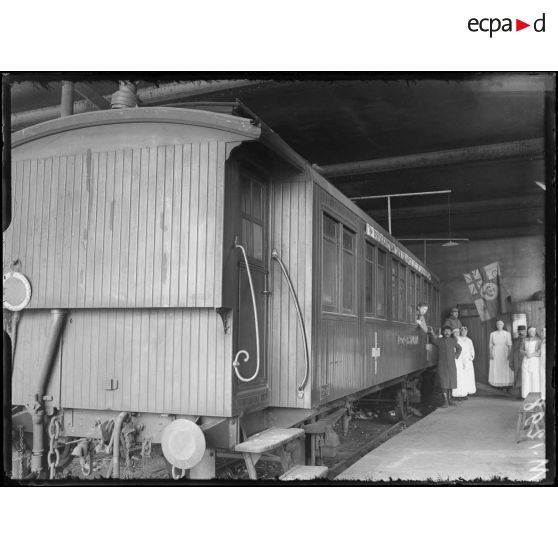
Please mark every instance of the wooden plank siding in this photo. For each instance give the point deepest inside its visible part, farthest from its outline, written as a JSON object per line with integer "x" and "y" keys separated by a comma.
{"x": 127, "y": 228}
{"x": 165, "y": 361}
{"x": 342, "y": 343}
{"x": 291, "y": 236}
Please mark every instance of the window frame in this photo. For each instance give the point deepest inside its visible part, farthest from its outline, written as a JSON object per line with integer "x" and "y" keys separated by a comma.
{"x": 341, "y": 228}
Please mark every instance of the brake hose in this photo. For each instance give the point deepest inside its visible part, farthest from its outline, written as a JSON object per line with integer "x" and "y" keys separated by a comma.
{"x": 236, "y": 362}
{"x": 300, "y": 390}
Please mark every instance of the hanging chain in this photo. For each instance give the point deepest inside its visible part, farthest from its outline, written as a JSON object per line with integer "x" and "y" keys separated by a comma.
{"x": 20, "y": 453}
{"x": 127, "y": 473}
{"x": 145, "y": 454}
{"x": 53, "y": 457}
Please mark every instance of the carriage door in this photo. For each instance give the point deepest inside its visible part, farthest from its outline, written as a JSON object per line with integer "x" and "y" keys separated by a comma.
{"x": 254, "y": 230}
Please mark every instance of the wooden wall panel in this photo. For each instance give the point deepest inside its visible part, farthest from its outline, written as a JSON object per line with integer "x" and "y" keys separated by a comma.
{"x": 291, "y": 236}
{"x": 165, "y": 361}
{"x": 121, "y": 229}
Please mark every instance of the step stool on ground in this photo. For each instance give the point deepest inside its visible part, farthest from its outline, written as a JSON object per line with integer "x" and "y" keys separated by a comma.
{"x": 277, "y": 439}
{"x": 532, "y": 405}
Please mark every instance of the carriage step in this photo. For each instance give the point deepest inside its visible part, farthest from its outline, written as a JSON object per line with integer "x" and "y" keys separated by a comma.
{"x": 304, "y": 472}
{"x": 268, "y": 440}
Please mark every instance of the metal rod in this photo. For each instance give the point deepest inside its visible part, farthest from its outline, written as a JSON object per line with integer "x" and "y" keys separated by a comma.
{"x": 431, "y": 239}
{"x": 401, "y": 195}
{"x": 389, "y": 214}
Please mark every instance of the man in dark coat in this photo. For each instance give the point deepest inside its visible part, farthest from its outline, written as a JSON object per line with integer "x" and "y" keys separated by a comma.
{"x": 516, "y": 357}
{"x": 448, "y": 352}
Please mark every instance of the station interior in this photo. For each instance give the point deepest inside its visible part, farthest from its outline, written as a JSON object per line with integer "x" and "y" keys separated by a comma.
{"x": 459, "y": 169}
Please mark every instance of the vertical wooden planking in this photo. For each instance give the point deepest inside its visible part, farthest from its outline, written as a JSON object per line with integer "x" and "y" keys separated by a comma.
{"x": 77, "y": 196}
{"x": 93, "y": 227}
{"x": 133, "y": 210}
{"x": 159, "y": 225}
{"x": 125, "y": 225}
{"x": 150, "y": 218}
{"x": 193, "y": 231}
{"x": 175, "y": 240}
{"x": 167, "y": 227}
{"x": 185, "y": 188}
{"x": 117, "y": 261}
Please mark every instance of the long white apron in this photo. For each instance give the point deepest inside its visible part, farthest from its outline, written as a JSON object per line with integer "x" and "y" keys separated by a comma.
{"x": 530, "y": 370}
{"x": 500, "y": 374}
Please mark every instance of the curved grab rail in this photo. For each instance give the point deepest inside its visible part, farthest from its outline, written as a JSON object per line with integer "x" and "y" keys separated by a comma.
{"x": 236, "y": 362}
{"x": 300, "y": 389}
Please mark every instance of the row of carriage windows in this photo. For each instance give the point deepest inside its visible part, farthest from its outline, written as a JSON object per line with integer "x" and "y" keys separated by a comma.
{"x": 396, "y": 299}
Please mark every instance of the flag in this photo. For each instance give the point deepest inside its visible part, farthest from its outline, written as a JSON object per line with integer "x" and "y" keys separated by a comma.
{"x": 488, "y": 291}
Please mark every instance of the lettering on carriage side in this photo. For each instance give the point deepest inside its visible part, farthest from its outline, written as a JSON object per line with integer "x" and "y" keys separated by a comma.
{"x": 407, "y": 339}
{"x": 379, "y": 237}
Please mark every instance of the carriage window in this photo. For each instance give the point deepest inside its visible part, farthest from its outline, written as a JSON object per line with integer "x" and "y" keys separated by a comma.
{"x": 349, "y": 272}
{"x": 369, "y": 272}
{"x": 394, "y": 289}
{"x": 417, "y": 290}
{"x": 251, "y": 194}
{"x": 402, "y": 298}
{"x": 381, "y": 285}
{"x": 410, "y": 297}
{"x": 338, "y": 267}
{"x": 330, "y": 264}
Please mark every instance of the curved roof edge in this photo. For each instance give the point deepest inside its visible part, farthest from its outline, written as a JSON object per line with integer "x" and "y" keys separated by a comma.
{"x": 235, "y": 124}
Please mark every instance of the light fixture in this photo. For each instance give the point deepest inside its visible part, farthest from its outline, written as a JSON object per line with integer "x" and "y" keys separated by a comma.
{"x": 450, "y": 242}
{"x": 540, "y": 185}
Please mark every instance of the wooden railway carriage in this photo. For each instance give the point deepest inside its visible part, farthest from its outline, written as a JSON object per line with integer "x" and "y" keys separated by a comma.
{"x": 145, "y": 228}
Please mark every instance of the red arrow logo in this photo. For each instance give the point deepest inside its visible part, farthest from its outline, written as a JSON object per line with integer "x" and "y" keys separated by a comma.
{"x": 519, "y": 25}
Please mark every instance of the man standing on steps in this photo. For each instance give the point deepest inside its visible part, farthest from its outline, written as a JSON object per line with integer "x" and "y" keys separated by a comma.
{"x": 448, "y": 352}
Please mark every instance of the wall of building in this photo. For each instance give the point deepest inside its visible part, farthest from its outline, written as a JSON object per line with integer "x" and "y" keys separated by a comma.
{"x": 521, "y": 264}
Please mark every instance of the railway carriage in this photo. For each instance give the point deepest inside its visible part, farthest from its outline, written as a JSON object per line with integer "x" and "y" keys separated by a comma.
{"x": 182, "y": 276}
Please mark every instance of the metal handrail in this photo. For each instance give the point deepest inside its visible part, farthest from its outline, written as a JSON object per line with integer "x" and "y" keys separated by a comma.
{"x": 300, "y": 389}
{"x": 236, "y": 362}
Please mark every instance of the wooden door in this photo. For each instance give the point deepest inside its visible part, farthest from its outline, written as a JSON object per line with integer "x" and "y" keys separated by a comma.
{"x": 254, "y": 227}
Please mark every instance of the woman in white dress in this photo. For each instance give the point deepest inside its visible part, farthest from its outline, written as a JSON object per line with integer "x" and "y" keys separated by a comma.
{"x": 466, "y": 377}
{"x": 459, "y": 392}
{"x": 543, "y": 363}
{"x": 531, "y": 367}
{"x": 500, "y": 374}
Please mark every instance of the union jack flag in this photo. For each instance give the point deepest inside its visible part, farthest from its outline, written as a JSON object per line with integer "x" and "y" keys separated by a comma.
{"x": 488, "y": 292}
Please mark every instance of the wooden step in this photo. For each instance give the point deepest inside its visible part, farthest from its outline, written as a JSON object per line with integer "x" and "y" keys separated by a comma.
{"x": 304, "y": 472}
{"x": 268, "y": 440}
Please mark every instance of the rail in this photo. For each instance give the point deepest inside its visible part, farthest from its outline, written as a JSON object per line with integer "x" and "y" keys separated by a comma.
{"x": 243, "y": 352}
{"x": 300, "y": 389}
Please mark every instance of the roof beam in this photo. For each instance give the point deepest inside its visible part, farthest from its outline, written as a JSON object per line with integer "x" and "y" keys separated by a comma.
{"x": 477, "y": 153}
{"x": 90, "y": 94}
{"x": 149, "y": 96}
{"x": 522, "y": 203}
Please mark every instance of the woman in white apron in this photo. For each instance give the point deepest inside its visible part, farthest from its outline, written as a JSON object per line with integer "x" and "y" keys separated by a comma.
{"x": 500, "y": 374}
{"x": 466, "y": 379}
{"x": 543, "y": 363}
{"x": 531, "y": 367}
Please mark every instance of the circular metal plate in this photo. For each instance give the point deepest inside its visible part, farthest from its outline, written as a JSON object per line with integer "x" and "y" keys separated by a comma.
{"x": 17, "y": 291}
{"x": 183, "y": 443}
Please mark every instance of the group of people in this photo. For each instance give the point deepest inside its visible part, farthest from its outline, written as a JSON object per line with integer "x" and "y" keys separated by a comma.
{"x": 456, "y": 352}
{"x": 519, "y": 364}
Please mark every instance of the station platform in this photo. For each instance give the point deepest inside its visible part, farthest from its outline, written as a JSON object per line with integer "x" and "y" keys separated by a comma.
{"x": 473, "y": 440}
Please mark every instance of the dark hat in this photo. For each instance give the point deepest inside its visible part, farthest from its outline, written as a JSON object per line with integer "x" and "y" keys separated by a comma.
{"x": 446, "y": 327}
{"x": 454, "y": 309}
{"x": 521, "y": 327}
